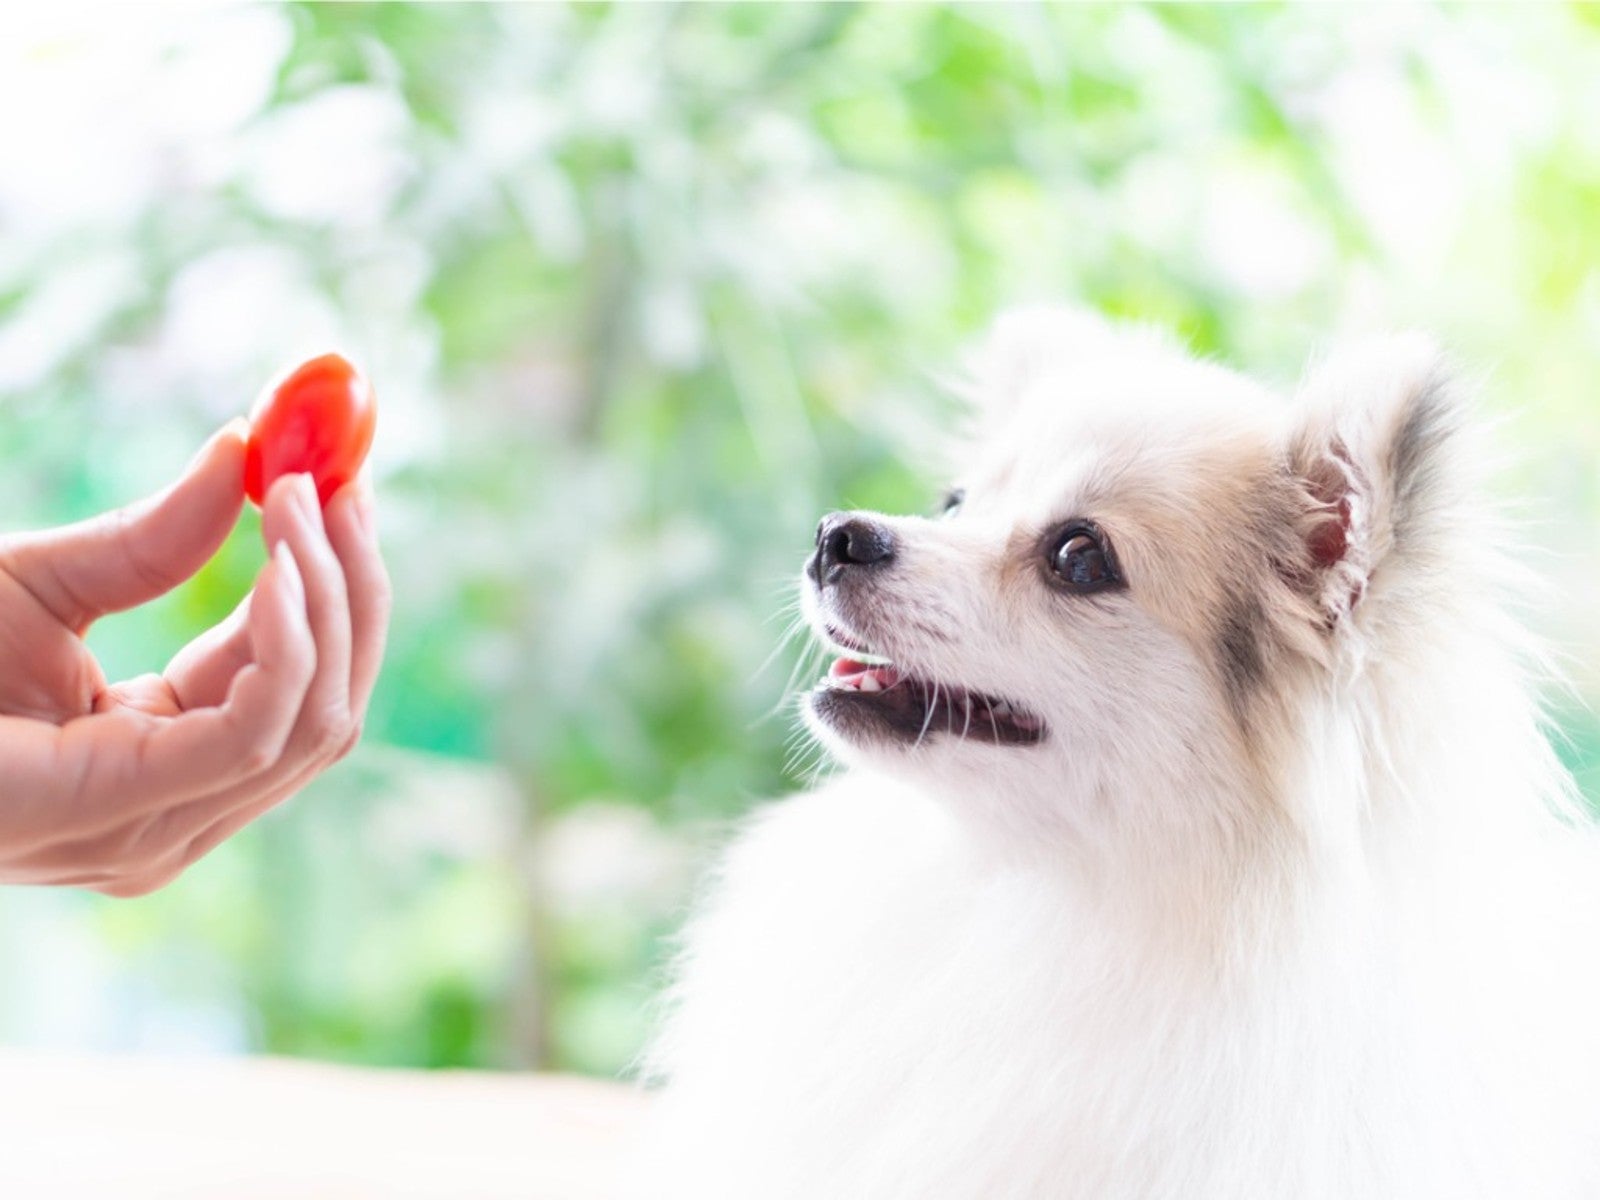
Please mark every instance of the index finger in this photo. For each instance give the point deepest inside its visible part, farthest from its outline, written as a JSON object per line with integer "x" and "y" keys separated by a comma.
{"x": 202, "y": 672}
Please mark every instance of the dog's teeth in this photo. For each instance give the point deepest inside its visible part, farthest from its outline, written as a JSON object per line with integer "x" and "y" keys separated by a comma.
{"x": 1002, "y": 709}
{"x": 869, "y": 683}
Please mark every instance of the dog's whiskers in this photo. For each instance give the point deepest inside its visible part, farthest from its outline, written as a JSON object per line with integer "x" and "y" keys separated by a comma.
{"x": 927, "y": 717}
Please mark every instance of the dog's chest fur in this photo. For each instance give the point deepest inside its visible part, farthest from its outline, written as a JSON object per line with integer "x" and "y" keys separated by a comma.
{"x": 875, "y": 1013}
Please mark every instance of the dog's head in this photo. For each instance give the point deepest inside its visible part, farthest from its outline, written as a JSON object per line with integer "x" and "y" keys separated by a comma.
{"x": 1146, "y": 566}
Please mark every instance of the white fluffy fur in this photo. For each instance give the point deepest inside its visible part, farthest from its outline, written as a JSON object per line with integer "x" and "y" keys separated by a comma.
{"x": 1291, "y": 902}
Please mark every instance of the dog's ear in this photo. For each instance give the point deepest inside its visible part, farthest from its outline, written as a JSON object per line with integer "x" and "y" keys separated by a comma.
{"x": 1021, "y": 348}
{"x": 1375, "y": 453}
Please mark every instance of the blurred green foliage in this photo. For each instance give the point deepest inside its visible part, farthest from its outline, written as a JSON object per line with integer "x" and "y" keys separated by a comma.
{"x": 645, "y": 290}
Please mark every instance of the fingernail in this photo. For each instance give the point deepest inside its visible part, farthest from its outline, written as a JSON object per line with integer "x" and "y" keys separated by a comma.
{"x": 238, "y": 428}
{"x": 284, "y": 557}
{"x": 305, "y": 491}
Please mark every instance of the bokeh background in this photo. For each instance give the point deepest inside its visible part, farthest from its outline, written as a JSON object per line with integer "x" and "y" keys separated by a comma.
{"x": 645, "y": 290}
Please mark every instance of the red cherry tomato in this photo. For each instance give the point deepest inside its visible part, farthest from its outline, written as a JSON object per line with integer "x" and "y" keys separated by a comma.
{"x": 319, "y": 420}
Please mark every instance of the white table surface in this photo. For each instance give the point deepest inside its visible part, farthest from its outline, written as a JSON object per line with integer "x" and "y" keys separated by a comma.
{"x": 269, "y": 1129}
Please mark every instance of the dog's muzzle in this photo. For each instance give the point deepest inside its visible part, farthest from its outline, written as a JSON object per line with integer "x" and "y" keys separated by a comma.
{"x": 848, "y": 541}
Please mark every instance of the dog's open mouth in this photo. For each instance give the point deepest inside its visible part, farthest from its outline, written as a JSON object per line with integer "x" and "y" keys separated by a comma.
{"x": 878, "y": 697}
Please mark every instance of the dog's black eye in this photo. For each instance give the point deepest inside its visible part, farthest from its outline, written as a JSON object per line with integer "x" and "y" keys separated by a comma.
{"x": 1081, "y": 560}
{"x": 952, "y": 501}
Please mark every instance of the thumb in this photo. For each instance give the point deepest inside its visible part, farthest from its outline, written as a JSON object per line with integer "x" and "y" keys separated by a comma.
{"x": 124, "y": 558}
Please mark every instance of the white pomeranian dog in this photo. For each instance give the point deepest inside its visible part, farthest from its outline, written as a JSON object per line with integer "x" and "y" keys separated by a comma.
{"x": 1199, "y": 837}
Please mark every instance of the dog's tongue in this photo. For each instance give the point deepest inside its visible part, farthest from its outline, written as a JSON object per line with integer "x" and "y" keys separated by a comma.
{"x": 857, "y": 674}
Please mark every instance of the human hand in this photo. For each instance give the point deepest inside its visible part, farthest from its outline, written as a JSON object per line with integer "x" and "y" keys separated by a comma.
{"x": 120, "y": 787}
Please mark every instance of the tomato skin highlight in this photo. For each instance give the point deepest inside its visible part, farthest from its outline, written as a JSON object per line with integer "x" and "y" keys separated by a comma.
{"x": 319, "y": 420}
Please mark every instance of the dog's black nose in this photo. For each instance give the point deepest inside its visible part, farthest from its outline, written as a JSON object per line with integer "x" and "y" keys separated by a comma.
{"x": 848, "y": 540}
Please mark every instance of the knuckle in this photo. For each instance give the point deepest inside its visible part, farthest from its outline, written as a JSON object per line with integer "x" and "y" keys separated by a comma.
{"x": 125, "y": 847}
{"x": 380, "y": 592}
{"x": 140, "y": 848}
{"x": 257, "y": 757}
{"x": 153, "y": 859}
{"x": 352, "y": 739}
{"x": 111, "y": 851}
{"x": 330, "y": 735}
{"x": 297, "y": 653}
